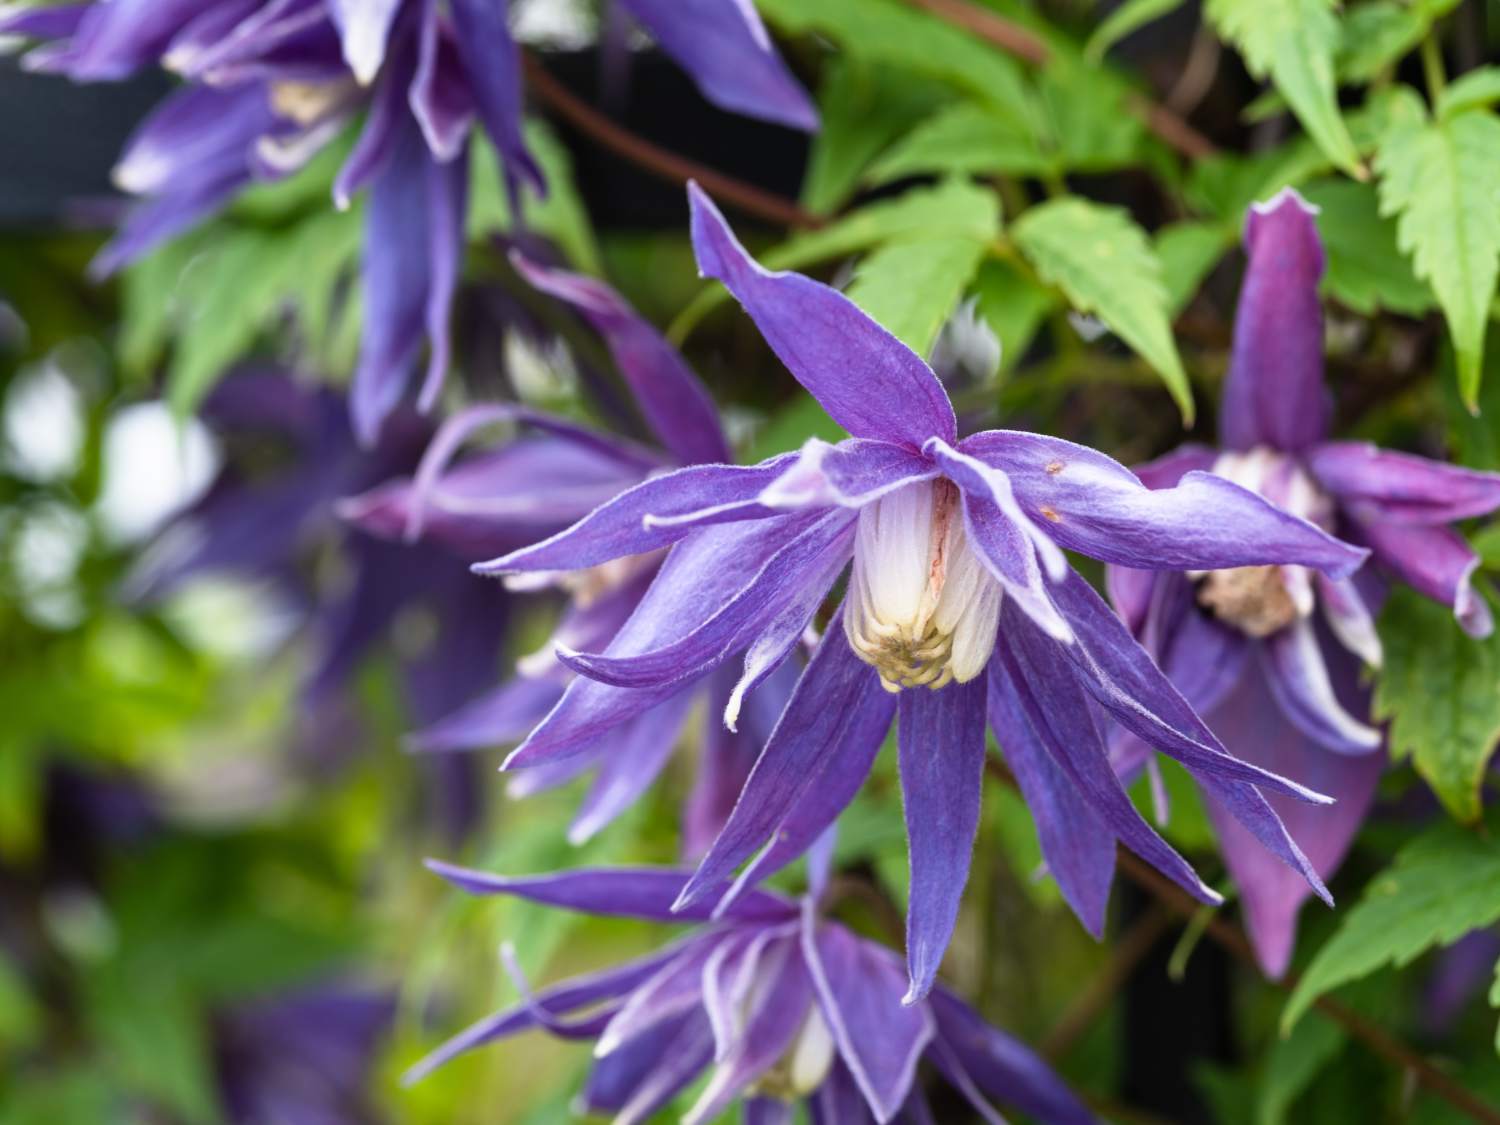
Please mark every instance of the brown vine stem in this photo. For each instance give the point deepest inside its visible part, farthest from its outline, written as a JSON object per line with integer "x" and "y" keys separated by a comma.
{"x": 658, "y": 161}
{"x": 1025, "y": 45}
{"x": 1229, "y": 937}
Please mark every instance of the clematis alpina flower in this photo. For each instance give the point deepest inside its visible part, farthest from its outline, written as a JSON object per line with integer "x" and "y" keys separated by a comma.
{"x": 960, "y": 607}
{"x": 533, "y": 486}
{"x": 1270, "y": 655}
{"x": 275, "y": 80}
{"x": 781, "y": 1005}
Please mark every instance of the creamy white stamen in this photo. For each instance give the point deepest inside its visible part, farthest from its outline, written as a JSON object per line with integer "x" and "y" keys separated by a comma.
{"x": 922, "y": 609}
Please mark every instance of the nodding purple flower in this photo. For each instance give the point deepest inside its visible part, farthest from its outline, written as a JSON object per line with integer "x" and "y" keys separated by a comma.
{"x": 960, "y": 608}
{"x": 275, "y": 80}
{"x": 778, "y": 1003}
{"x": 535, "y": 485}
{"x": 1270, "y": 655}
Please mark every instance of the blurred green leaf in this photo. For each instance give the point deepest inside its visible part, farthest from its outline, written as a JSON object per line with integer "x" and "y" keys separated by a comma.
{"x": 1293, "y": 42}
{"x": 1366, "y": 269}
{"x": 1478, "y": 89}
{"x": 913, "y": 287}
{"x": 1189, "y": 250}
{"x": 1014, "y": 305}
{"x": 1438, "y": 179}
{"x": 963, "y": 138}
{"x": 1294, "y": 1061}
{"x": 1105, "y": 265}
{"x": 1440, "y": 689}
{"x": 1129, "y": 17}
{"x": 1443, "y": 884}
{"x": 1375, "y": 36}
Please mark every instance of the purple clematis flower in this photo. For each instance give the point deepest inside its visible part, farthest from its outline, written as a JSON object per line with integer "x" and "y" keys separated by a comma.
{"x": 534, "y": 486}
{"x": 1270, "y": 655}
{"x": 784, "y": 1005}
{"x": 960, "y": 608}
{"x": 274, "y": 80}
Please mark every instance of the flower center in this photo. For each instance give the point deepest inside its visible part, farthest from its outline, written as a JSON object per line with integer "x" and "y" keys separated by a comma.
{"x": 1261, "y": 600}
{"x": 922, "y": 609}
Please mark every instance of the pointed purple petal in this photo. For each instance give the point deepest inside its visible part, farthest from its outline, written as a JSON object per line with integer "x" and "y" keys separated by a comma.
{"x": 1402, "y": 487}
{"x": 447, "y": 204}
{"x": 673, "y": 1070}
{"x": 43, "y": 23}
{"x": 637, "y": 755}
{"x": 506, "y": 714}
{"x": 859, "y": 988}
{"x": 1349, "y": 617}
{"x": 851, "y": 474}
{"x": 1274, "y": 394}
{"x": 1078, "y": 848}
{"x": 1298, "y": 676}
{"x": 1434, "y": 561}
{"x": 618, "y": 528}
{"x": 493, "y": 63}
{"x": 622, "y": 892}
{"x": 942, "y": 772}
{"x": 364, "y": 26}
{"x": 674, "y": 989}
{"x": 824, "y": 712}
{"x": 1092, "y": 504}
{"x": 870, "y": 383}
{"x": 439, "y": 98}
{"x": 677, "y": 406}
{"x": 723, "y": 45}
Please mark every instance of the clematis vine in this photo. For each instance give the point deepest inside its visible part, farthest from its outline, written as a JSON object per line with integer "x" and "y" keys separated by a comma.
{"x": 780, "y": 1004}
{"x": 1270, "y": 655}
{"x": 271, "y": 82}
{"x": 538, "y": 483}
{"x": 961, "y": 608}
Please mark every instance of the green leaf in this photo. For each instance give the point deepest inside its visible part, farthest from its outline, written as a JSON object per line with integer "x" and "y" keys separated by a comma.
{"x": 1441, "y": 885}
{"x": 561, "y": 216}
{"x": 1188, "y": 251}
{"x": 1293, "y": 1062}
{"x": 1366, "y": 269}
{"x": 1103, "y": 262}
{"x": 1293, "y": 42}
{"x": 891, "y": 32}
{"x": 912, "y": 287}
{"x": 1374, "y": 36}
{"x": 1440, "y": 688}
{"x": 862, "y": 112}
{"x": 1439, "y": 179}
{"x": 963, "y": 138}
{"x": 1090, "y": 124}
{"x": 791, "y": 426}
{"x": 1128, "y": 17}
{"x": 1014, "y": 305}
{"x": 1479, "y": 89}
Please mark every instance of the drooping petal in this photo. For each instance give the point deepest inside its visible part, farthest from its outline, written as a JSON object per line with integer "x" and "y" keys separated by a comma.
{"x": 364, "y": 26}
{"x": 1079, "y": 849}
{"x": 447, "y": 204}
{"x": 1092, "y": 504}
{"x": 622, "y": 892}
{"x": 675, "y": 403}
{"x": 614, "y": 1078}
{"x": 1349, "y": 617}
{"x": 839, "y": 1101}
{"x": 823, "y": 717}
{"x": 1034, "y": 676}
{"x": 1274, "y": 394}
{"x": 109, "y": 41}
{"x": 440, "y": 100}
{"x": 1434, "y": 561}
{"x": 390, "y": 133}
{"x": 618, "y": 527}
{"x": 1298, "y": 676}
{"x": 999, "y": 1066}
{"x": 859, "y": 988}
{"x": 637, "y": 755}
{"x": 506, "y": 714}
{"x": 727, "y": 51}
{"x": 493, "y": 63}
{"x": 672, "y": 990}
{"x": 852, "y": 474}
{"x": 799, "y": 574}
{"x": 1272, "y": 894}
{"x": 869, "y": 382}
{"x": 730, "y": 974}
{"x": 673, "y": 1070}
{"x": 942, "y": 772}
{"x": 58, "y": 22}
{"x": 1401, "y": 487}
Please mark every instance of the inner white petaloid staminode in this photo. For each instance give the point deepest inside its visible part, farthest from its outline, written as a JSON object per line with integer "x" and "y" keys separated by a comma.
{"x": 1261, "y": 600}
{"x": 921, "y": 608}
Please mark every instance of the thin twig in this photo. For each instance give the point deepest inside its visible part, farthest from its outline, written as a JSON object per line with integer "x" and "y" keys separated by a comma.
{"x": 1126, "y": 953}
{"x": 1025, "y": 45}
{"x": 1230, "y": 938}
{"x": 659, "y": 161}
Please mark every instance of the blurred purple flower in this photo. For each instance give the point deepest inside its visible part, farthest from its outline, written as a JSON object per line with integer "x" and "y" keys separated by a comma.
{"x": 1246, "y": 646}
{"x": 275, "y": 80}
{"x": 782, "y": 1004}
{"x": 532, "y": 487}
{"x": 959, "y": 584}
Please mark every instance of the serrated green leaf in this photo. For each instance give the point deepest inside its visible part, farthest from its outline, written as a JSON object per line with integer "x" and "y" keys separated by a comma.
{"x": 862, "y": 112}
{"x": 963, "y": 138}
{"x": 1293, "y": 43}
{"x": 1127, "y": 18}
{"x": 1478, "y": 89}
{"x": 1440, "y": 689}
{"x": 1441, "y": 885}
{"x": 1103, "y": 262}
{"x": 1439, "y": 179}
{"x": 889, "y": 32}
{"x": 913, "y": 287}
{"x": 1089, "y": 124}
{"x": 1366, "y": 269}
{"x": 1374, "y": 36}
{"x": 1013, "y": 305}
{"x": 1188, "y": 251}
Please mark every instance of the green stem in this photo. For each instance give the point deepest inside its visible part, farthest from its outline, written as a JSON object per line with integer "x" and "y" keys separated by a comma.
{"x": 1432, "y": 69}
